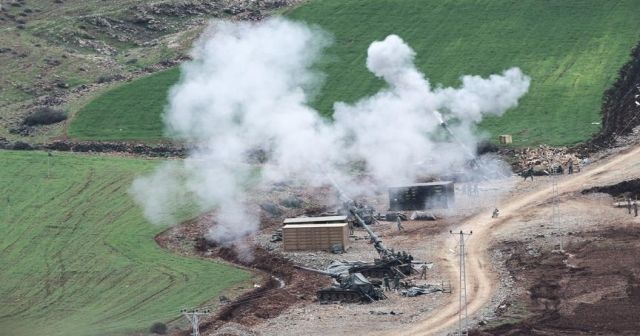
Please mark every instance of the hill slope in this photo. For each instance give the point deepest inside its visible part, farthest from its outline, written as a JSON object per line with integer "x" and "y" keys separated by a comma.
{"x": 122, "y": 113}
{"x": 571, "y": 49}
{"x": 77, "y": 258}
{"x": 60, "y": 53}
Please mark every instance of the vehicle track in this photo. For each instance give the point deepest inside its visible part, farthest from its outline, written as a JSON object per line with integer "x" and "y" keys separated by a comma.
{"x": 482, "y": 280}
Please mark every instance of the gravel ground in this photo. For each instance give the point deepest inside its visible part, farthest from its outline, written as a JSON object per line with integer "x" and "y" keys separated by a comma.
{"x": 424, "y": 239}
{"x": 421, "y": 239}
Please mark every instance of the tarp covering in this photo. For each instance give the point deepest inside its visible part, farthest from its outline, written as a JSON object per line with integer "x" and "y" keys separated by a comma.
{"x": 422, "y": 289}
{"x": 342, "y": 267}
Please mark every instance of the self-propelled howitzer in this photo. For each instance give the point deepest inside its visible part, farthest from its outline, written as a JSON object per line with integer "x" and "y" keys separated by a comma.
{"x": 390, "y": 263}
{"x": 351, "y": 287}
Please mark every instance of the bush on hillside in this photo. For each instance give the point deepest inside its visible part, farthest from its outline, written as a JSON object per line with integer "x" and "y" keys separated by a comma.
{"x": 109, "y": 78}
{"x": 44, "y": 116}
{"x": 19, "y": 145}
{"x": 158, "y": 328}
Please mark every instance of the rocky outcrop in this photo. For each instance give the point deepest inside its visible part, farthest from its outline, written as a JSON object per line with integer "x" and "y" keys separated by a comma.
{"x": 620, "y": 113}
{"x": 158, "y": 150}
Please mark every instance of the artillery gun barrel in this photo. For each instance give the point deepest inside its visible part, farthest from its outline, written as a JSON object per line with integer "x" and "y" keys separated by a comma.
{"x": 377, "y": 242}
{"x": 395, "y": 263}
{"x": 445, "y": 126}
{"x": 466, "y": 149}
{"x": 313, "y": 270}
{"x": 470, "y": 154}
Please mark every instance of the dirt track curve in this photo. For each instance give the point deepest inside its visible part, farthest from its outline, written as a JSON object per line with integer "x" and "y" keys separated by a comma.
{"x": 481, "y": 279}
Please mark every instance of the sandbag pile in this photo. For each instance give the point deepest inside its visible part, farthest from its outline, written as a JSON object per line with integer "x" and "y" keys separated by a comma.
{"x": 545, "y": 158}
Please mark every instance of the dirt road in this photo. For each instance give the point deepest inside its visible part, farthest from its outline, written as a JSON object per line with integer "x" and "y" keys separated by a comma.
{"x": 481, "y": 279}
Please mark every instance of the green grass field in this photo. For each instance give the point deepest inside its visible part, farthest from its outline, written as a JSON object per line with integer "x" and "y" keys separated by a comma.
{"x": 78, "y": 258}
{"x": 571, "y": 49}
{"x": 131, "y": 111}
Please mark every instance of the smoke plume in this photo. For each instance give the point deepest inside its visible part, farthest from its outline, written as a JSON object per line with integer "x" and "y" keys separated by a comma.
{"x": 248, "y": 88}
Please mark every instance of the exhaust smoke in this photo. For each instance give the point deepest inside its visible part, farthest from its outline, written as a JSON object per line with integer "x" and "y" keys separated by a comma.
{"x": 248, "y": 87}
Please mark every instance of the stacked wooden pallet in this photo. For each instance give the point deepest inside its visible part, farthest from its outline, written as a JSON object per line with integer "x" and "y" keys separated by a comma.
{"x": 325, "y": 236}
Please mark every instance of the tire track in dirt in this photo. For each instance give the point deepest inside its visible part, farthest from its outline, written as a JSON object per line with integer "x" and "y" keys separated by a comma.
{"x": 482, "y": 280}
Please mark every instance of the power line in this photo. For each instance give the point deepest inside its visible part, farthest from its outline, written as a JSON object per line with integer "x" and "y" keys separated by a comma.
{"x": 463, "y": 328}
{"x": 193, "y": 315}
{"x": 555, "y": 210}
{"x": 636, "y": 101}
{"x": 555, "y": 169}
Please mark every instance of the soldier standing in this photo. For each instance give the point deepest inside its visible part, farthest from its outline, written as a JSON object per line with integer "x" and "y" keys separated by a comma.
{"x": 399, "y": 223}
{"x": 386, "y": 283}
{"x": 635, "y": 208}
{"x": 423, "y": 272}
{"x": 396, "y": 283}
{"x": 528, "y": 173}
{"x": 570, "y": 167}
{"x": 629, "y": 205}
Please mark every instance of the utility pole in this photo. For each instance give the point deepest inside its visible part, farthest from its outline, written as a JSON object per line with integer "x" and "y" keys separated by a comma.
{"x": 193, "y": 315}
{"x": 462, "y": 330}
{"x": 554, "y": 202}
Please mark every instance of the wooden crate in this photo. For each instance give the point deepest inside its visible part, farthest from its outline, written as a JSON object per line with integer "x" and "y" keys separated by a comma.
{"x": 314, "y": 237}
{"x": 422, "y": 196}
{"x": 505, "y": 139}
{"x": 315, "y": 220}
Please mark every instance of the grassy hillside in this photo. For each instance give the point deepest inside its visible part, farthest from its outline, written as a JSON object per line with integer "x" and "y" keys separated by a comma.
{"x": 571, "y": 49}
{"x": 50, "y": 50}
{"x": 130, "y": 111}
{"x": 61, "y": 53}
{"x": 77, "y": 257}
{"x": 48, "y": 47}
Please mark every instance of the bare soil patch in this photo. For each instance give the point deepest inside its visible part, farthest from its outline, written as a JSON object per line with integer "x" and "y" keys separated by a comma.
{"x": 590, "y": 288}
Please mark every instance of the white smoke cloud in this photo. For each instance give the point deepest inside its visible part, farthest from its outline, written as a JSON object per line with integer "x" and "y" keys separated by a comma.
{"x": 392, "y": 60}
{"x": 161, "y": 193}
{"x": 248, "y": 87}
{"x": 478, "y": 96}
{"x": 392, "y": 128}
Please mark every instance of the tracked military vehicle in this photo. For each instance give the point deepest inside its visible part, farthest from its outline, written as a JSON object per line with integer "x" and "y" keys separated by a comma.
{"x": 353, "y": 287}
{"x": 390, "y": 263}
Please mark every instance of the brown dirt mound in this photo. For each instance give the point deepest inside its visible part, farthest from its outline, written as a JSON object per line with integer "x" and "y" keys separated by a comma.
{"x": 270, "y": 299}
{"x": 618, "y": 106}
{"x": 591, "y": 288}
{"x": 627, "y": 189}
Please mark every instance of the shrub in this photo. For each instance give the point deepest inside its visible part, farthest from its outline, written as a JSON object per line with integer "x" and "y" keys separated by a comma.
{"x": 44, "y": 116}
{"x": 291, "y": 202}
{"x": 19, "y": 145}
{"x": 485, "y": 146}
{"x": 158, "y": 328}
{"x": 108, "y": 78}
